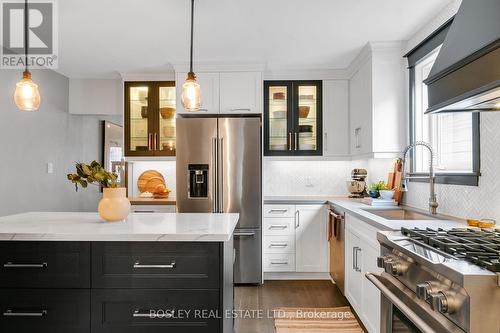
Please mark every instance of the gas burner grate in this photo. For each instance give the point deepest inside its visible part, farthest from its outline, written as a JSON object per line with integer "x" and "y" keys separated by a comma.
{"x": 479, "y": 246}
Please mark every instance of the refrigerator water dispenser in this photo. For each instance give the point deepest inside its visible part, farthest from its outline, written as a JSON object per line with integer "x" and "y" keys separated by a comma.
{"x": 198, "y": 180}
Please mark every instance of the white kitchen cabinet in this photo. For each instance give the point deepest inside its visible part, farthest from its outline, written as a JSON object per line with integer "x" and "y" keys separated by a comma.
{"x": 336, "y": 118}
{"x": 225, "y": 92}
{"x": 352, "y": 270}
{"x": 377, "y": 102}
{"x": 153, "y": 209}
{"x": 241, "y": 92}
{"x": 209, "y": 83}
{"x": 361, "y": 251}
{"x": 311, "y": 243}
{"x": 295, "y": 239}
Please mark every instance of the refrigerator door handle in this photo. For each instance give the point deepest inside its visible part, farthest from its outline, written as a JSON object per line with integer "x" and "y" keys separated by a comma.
{"x": 214, "y": 176}
{"x": 220, "y": 167}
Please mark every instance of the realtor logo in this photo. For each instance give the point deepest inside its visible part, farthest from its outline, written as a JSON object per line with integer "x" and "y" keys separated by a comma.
{"x": 42, "y": 34}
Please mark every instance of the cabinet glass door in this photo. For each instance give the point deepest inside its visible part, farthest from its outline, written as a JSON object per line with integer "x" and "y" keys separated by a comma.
{"x": 278, "y": 109}
{"x": 308, "y": 118}
{"x": 137, "y": 112}
{"x": 166, "y": 119}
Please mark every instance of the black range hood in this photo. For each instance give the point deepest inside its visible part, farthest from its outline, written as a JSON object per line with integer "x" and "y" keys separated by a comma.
{"x": 466, "y": 74}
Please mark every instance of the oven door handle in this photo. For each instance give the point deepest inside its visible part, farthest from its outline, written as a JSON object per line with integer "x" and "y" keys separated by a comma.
{"x": 387, "y": 293}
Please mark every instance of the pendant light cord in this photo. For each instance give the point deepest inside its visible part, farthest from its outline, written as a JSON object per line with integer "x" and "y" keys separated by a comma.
{"x": 192, "y": 27}
{"x": 26, "y": 38}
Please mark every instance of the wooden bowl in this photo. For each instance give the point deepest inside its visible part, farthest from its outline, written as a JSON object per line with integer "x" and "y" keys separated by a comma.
{"x": 167, "y": 112}
{"x": 304, "y": 111}
{"x": 279, "y": 95}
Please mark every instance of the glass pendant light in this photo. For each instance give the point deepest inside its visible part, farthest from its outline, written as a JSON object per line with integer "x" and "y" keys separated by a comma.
{"x": 191, "y": 94}
{"x": 27, "y": 96}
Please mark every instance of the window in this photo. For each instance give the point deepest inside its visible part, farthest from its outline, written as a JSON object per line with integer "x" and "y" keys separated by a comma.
{"x": 454, "y": 136}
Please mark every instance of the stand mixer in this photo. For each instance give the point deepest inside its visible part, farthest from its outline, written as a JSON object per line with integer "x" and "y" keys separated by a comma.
{"x": 357, "y": 185}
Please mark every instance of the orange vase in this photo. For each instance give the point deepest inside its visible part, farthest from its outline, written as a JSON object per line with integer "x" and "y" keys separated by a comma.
{"x": 114, "y": 205}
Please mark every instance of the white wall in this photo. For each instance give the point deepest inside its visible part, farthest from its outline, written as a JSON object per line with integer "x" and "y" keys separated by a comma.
{"x": 96, "y": 97}
{"x": 30, "y": 140}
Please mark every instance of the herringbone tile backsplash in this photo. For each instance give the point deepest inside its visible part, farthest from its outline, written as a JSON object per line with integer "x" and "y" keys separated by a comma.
{"x": 481, "y": 201}
{"x": 288, "y": 178}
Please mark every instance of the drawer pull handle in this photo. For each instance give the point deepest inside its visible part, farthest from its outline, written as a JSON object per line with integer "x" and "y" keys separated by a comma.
{"x": 278, "y": 227}
{"x": 279, "y": 262}
{"x": 281, "y": 245}
{"x": 139, "y": 265}
{"x": 165, "y": 314}
{"x": 13, "y": 265}
{"x": 241, "y": 109}
{"x": 280, "y": 211}
{"x": 11, "y": 313}
{"x": 144, "y": 211}
{"x": 244, "y": 234}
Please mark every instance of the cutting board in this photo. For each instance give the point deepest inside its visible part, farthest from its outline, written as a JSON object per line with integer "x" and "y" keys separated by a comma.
{"x": 398, "y": 176}
{"x": 145, "y": 177}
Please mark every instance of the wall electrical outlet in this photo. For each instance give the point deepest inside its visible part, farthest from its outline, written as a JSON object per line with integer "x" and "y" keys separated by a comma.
{"x": 50, "y": 168}
{"x": 308, "y": 182}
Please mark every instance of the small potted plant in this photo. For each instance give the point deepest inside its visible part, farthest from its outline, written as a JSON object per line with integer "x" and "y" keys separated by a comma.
{"x": 114, "y": 206}
{"x": 380, "y": 189}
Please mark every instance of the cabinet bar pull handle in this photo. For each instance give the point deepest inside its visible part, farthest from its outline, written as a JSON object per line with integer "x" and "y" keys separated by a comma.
{"x": 13, "y": 265}
{"x": 11, "y": 313}
{"x": 144, "y": 211}
{"x": 155, "y": 142}
{"x": 296, "y": 141}
{"x": 279, "y": 262}
{"x": 326, "y": 142}
{"x": 354, "y": 257}
{"x": 358, "y": 249}
{"x": 139, "y": 265}
{"x": 280, "y": 245}
{"x": 166, "y": 314}
{"x": 277, "y": 226}
{"x": 281, "y": 211}
{"x": 297, "y": 219}
{"x": 290, "y": 141}
{"x": 150, "y": 141}
{"x": 241, "y": 109}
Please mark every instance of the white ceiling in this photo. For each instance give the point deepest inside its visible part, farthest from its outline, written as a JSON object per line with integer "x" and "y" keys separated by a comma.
{"x": 101, "y": 38}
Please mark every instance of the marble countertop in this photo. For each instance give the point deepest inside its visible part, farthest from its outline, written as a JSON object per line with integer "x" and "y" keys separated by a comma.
{"x": 361, "y": 211}
{"x": 58, "y": 226}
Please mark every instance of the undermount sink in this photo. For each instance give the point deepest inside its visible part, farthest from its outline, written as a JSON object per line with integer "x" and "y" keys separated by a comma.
{"x": 400, "y": 214}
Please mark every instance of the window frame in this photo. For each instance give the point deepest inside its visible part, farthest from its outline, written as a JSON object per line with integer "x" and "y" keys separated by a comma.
{"x": 453, "y": 178}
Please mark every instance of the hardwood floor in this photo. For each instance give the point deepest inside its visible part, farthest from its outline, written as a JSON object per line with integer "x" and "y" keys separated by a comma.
{"x": 273, "y": 294}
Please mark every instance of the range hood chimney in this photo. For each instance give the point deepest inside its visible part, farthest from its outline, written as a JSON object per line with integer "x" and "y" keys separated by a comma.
{"x": 466, "y": 74}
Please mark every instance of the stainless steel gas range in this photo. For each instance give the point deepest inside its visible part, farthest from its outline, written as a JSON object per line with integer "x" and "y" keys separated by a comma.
{"x": 439, "y": 280}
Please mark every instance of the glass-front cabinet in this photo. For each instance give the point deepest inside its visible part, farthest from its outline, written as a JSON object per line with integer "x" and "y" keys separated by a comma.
{"x": 293, "y": 118}
{"x": 150, "y": 118}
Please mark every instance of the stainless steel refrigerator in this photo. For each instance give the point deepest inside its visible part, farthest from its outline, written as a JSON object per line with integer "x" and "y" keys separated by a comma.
{"x": 219, "y": 168}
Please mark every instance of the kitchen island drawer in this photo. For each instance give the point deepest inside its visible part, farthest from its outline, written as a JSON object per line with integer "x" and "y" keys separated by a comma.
{"x": 279, "y": 262}
{"x": 279, "y": 244}
{"x": 44, "y": 264}
{"x": 155, "y": 311}
{"x": 44, "y": 311}
{"x": 279, "y": 211}
{"x": 155, "y": 265}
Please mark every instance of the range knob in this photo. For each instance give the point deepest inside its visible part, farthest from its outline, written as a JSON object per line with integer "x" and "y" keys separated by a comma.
{"x": 396, "y": 267}
{"x": 444, "y": 303}
{"x": 381, "y": 261}
{"x": 424, "y": 290}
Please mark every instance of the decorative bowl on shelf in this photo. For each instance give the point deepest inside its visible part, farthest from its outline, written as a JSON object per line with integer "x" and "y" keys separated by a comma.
{"x": 279, "y": 114}
{"x": 144, "y": 111}
{"x": 167, "y": 112}
{"x": 279, "y": 95}
{"x": 279, "y": 147}
{"x": 304, "y": 111}
{"x": 308, "y": 97}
